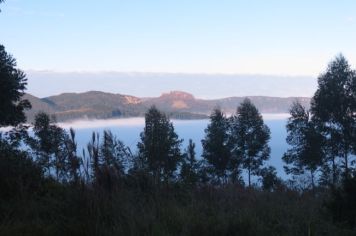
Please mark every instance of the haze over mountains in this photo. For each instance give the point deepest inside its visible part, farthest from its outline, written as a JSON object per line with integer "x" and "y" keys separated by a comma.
{"x": 177, "y": 104}
{"x": 144, "y": 84}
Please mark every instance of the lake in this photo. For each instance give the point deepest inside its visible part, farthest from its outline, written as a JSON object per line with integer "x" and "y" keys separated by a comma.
{"x": 128, "y": 130}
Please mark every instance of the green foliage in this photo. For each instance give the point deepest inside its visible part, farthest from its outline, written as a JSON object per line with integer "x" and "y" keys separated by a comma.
{"x": 333, "y": 105}
{"x": 113, "y": 152}
{"x": 54, "y": 149}
{"x": 270, "y": 180}
{"x": 190, "y": 166}
{"x": 159, "y": 148}
{"x": 250, "y": 138}
{"x": 228, "y": 210}
{"x": 73, "y": 162}
{"x": 46, "y": 188}
{"x": 136, "y": 204}
{"x": 306, "y": 142}
{"x": 93, "y": 149}
{"x": 216, "y": 149}
{"x": 12, "y": 85}
{"x": 108, "y": 159}
{"x": 49, "y": 146}
{"x": 19, "y": 175}
{"x": 343, "y": 204}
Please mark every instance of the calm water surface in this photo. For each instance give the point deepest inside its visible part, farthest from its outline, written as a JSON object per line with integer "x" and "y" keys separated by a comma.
{"x": 128, "y": 130}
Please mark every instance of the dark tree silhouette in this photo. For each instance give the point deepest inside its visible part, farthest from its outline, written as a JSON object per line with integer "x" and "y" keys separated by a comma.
{"x": 93, "y": 148}
{"x": 1, "y": 1}
{"x": 250, "y": 138}
{"x": 333, "y": 105}
{"x": 159, "y": 147}
{"x": 114, "y": 152}
{"x": 270, "y": 180}
{"x": 216, "y": 149}
{"x": 113, "y": 155}
{"x": 306, "y": 143}
{"x": 12, "y": 86}
{"x": 19, "y": 175}
{"x": 189, "y": 168}
{"x": 342, "y": 204}
{"x": 73, "y": 160}
{"x": 49, "y": 146}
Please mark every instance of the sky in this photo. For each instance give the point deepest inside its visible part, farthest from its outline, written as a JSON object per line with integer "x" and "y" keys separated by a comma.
{"x": 255, "y": 37}
{"x": 207, "y": 86}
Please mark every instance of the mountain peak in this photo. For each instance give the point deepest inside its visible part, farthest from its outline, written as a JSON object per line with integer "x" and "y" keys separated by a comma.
{"x": 178, "y": 95}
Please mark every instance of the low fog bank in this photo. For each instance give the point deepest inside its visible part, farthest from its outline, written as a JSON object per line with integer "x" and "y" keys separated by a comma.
{"x": 205, "y": 86}
{"x": 140, "y": 121}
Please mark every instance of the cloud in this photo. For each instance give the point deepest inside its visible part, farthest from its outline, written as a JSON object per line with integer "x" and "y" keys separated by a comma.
{"x": 350, "y": 19}
{"x": 93, "y": 123}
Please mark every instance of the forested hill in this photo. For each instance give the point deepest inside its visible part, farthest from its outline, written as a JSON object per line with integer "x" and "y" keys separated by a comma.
{"x": 181, "y": 105}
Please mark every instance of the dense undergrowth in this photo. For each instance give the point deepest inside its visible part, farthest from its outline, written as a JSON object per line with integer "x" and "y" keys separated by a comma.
{"x": 136, "y": 206}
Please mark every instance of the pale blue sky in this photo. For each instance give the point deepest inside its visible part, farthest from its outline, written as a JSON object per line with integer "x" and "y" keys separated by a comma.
{"x": 192, "y": 36}
{"x": 208, "y": 86}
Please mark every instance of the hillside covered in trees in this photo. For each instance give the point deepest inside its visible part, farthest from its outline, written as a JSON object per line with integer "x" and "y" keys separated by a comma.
{"x": 177, "y": 104}
{"x": 49, "y": 187}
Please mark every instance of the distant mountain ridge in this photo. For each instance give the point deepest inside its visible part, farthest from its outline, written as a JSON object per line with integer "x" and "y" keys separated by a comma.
{"x": 177, "y": 104}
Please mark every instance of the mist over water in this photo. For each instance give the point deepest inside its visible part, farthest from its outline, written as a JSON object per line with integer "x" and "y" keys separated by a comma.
{"x": 128, "y": 130}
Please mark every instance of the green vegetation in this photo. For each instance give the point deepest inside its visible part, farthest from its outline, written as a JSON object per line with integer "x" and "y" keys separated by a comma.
{"x": 334, "y": 109}
{"x": 159, "y": 149}
{"x": 216, "y": 150}
{"x": 306, "y": 143}
{"x": 13, "y": 83}
{"x": 48, "y": 188}
{"x": 250, "y": 138}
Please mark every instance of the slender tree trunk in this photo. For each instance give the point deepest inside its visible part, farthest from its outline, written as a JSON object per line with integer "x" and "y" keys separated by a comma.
{"x": 312, "y": 179}
{"x": 334, "y": 172}
{"x": 346, "y": 165}
{"x": 249, "y": 176}
{"x": 57, "y": 173}
{"x": 57, "y": 167}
